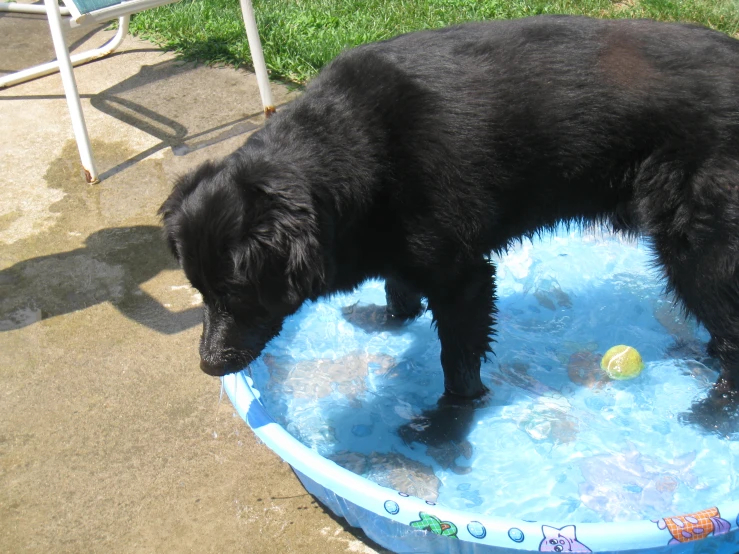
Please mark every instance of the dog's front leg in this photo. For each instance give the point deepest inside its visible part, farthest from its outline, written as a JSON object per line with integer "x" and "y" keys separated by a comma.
{"x": 464, "y": 313}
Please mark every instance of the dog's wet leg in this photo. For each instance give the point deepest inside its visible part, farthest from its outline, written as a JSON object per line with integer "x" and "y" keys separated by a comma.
{"x": 403, "y": 302}
{"x": 464, "y": 313}
{"x": 711, "y": 293}
{"x": 698, "y": 245}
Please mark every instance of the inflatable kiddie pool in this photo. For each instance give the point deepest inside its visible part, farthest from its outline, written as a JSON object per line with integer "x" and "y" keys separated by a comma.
{"x": 557, "y": 458}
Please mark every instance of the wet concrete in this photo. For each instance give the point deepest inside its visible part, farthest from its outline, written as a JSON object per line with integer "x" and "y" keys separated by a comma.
{"x": 111, "y": 439}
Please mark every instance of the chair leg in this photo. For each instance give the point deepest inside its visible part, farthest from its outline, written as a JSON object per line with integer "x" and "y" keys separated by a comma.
{"x": 77, "y": 59}
{"x": 257, "y": 56}
{"x": 70, "y": 90}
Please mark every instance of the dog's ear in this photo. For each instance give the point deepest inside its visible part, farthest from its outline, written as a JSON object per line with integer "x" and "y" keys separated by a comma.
{"x": 172, "y": 206}
{"x": 296, "y": 228}
{"x": 305, "y": 270}
{"x": 283, "y": 238}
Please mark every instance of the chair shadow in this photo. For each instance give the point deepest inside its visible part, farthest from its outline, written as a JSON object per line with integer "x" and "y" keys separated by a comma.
{"x": 110, "y": 268}
{"x": 137, "y": 101}
{"x": 44, "y": 49}
{"x": 165, "y": 101}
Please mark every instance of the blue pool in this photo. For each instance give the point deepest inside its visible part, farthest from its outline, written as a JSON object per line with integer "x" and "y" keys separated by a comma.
{"x": 558, "y": 457}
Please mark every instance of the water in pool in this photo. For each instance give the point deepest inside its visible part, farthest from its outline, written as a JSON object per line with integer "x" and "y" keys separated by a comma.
{"x": 555, "y": 438}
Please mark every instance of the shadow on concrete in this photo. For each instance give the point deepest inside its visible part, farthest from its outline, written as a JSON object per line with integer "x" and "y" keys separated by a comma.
{"x": 184, "y": 105}
{"x": 155, "y": 100}
{"x": 166, "y": 100}
{"x": 111, "y": 267}
{"x": 30, "y": 33}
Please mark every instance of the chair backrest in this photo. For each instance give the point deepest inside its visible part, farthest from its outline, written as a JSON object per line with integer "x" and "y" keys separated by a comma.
{"x": 87, "y": 6}
{"x": 100, "y": 11}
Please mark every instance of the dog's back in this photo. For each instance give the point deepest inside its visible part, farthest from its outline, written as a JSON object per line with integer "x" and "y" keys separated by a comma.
{"x": 451, "y": 143}
{"x": 547, "y": 118}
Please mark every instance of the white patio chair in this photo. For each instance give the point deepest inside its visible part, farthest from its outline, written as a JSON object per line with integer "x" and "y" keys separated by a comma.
{"x": 86, "y": 12}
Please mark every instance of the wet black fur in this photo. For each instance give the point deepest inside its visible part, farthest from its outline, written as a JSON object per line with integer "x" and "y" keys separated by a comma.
{"x": 413, "y": 159}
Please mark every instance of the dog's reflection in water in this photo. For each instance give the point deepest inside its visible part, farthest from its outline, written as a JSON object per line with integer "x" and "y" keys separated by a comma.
{"x": 717, "y": 414}
{"x": 444, "y": 430}
{"x": 371, "y": 318}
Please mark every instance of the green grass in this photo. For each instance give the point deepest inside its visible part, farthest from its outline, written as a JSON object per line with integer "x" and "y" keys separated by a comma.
{"x": 300, "y": 36}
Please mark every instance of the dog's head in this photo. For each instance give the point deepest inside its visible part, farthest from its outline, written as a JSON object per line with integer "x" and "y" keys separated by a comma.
{"x": 246, "y": 234}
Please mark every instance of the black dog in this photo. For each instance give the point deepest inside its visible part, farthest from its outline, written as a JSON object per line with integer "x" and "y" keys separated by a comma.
{"x": 413, "y": 159}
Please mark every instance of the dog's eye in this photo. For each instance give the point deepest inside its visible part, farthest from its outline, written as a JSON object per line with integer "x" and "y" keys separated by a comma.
{"x": 241, "y": 307}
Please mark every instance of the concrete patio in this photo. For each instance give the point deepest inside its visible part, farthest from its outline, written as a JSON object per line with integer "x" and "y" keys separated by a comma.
{"x": 111, "y": 439}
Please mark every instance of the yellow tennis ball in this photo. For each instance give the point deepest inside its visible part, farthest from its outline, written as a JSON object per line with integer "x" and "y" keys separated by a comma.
{"x": 622, "y": 362}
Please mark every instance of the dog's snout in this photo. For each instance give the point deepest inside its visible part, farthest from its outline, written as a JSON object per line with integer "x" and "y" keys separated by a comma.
{"x": 228, "y": 345}
{"x": 216, "y": 370}
{"x": 220, "y": 367}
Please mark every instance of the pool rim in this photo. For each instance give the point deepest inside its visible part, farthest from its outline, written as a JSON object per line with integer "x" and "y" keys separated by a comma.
{"x": 639, "y": 535}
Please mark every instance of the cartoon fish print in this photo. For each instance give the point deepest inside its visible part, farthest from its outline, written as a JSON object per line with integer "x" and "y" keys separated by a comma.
{"x": 695, "y": 526}
{"x": 432, "y": 523}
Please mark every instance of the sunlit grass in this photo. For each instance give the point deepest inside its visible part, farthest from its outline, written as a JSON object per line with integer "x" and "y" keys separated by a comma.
{"x": 300, "y": 36}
